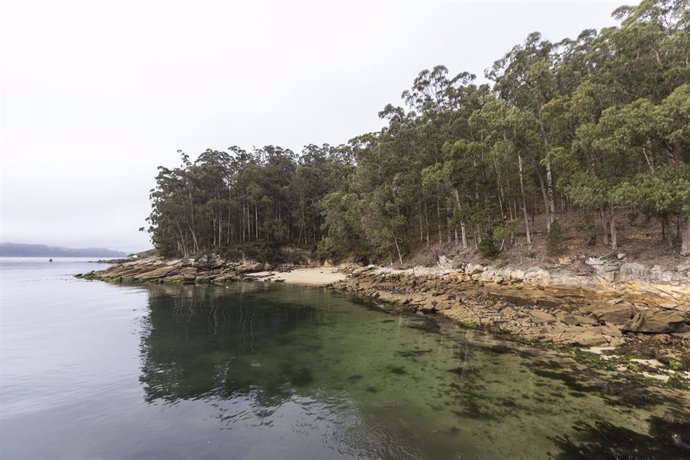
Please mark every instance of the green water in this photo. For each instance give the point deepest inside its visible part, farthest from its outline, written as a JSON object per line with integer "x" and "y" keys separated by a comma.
{"x": 371, "y": 384}
{"x": 268, "y": 371}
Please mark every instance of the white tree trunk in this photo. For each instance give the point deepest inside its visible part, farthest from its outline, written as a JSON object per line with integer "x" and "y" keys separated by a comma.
{"x": 685, "y": 238}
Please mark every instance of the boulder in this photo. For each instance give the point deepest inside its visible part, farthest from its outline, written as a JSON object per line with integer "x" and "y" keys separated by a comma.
{"x": 658, "y": 322}
{"x": 619, "y": 313}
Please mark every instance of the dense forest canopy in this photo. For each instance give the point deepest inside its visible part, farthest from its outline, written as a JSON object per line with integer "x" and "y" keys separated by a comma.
{"x": 599, "y": 123}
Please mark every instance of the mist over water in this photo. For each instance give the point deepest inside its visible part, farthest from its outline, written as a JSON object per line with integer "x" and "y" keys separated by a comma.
{"x": 264, "y": 371}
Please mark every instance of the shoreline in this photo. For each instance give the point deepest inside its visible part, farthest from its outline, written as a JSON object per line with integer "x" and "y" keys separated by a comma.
{"x": 634, "y": 324}
{"x": 309, "y": 276}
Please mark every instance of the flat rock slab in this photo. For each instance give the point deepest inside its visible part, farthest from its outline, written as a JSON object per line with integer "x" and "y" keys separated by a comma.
{"x": 658, "y": 321}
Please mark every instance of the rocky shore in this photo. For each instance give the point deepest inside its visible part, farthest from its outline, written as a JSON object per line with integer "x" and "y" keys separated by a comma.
{"x": 216, "y": 271}
{"x": 606, "y": 306}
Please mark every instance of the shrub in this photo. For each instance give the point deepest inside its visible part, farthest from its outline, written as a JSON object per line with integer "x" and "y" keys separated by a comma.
{"x": 488, "y": 246}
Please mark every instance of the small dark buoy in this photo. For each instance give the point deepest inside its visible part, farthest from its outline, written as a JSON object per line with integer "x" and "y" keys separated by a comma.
{"x": 50, "y": 260}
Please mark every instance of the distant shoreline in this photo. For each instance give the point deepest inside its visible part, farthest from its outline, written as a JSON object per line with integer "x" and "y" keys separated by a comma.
{"x": 42, "y": 250}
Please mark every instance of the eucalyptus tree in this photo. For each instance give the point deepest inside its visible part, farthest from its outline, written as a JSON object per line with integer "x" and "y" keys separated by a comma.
{"x": 599, "y": 123}
{"x": 525, "y": 78}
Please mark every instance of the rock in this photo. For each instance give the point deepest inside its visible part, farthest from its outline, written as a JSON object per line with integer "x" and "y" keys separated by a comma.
{"x": 249, "y": 267}
{"x": 574, "y": 320}
{"x": 663, "y": 339}
{"x": 598, "y": 350}
{"x": 616, "y": 341}
{"x": 188, "y": 274}
{"x": 619, "y": 313}
{"x": 594, "y": 261}
{"x": 428, "y": 308}
{"x": 611, "y": 331}
{"x": 632, "y": 271}
{"x": 445, "y": 262}
{"x": 587, "y": 338}
{"x": 473, "y": 269}
{"x": 658, "y": 321}
{"x": 542, "y": 316}
{"x": 223, "y": 279}
{"x": 660, "y": 377}
{"x": 217, "y": 263}
{"x": 154, "y": 274}
{"x": 517, "y": 275}
{"x": 359, "y": 271}
{"x": 649, "y": 362}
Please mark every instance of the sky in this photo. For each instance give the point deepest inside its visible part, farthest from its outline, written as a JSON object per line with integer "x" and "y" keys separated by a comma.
{"x": 95, "y": 95}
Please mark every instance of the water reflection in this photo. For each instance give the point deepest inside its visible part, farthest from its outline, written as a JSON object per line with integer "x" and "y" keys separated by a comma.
{"x": 278, "y": 372}
{"x": 203, "y": 342}
{"x": 344, "y": 381}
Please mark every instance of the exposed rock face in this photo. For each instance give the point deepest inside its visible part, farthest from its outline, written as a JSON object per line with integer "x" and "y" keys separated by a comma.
{"x": 612, "y": 276}
{"x": 535, "y": 304}
{"x": 618, "y": 314}
{"x": 659, "y": 321}
{"x": 157, "y": 269}
{"x": 542, "y": 316}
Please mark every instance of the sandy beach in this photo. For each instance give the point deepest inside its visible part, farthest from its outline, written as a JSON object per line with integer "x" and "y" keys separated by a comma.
{"x": 318, "y": 276}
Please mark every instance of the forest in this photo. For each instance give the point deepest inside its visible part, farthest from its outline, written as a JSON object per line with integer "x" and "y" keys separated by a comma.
{"x": 598, "y": 125}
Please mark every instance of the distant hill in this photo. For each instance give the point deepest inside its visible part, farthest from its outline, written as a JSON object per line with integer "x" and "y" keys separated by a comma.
{"x": 41, "y": 250}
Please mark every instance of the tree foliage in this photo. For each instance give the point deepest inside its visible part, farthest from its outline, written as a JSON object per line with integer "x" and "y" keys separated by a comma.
{"x": 600, "y": 122}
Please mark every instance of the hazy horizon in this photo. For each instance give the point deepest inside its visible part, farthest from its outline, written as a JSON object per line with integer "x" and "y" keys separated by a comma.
{"x": 95, "y": 97}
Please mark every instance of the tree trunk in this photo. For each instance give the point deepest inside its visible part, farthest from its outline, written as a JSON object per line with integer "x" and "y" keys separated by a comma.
{"x": 605, "y": 227}
{"x": 463, "y": 231}
{"x": 421, "y": 227}
{"x": 685, "y": 239}
{"x": 546, "y": 200}
{"x": 426, "y": 218}
{"x": 549, "y": 175}
{"x": 614, "y": 235}
{"x": 256, "y": 221}
{"x": 249, "y": 225}
{"x": 196, "y": 243}
{"x": 524, "y": 203}
{"x": 501, "y": 197}
{"x": 667, "y": 232}
{"x": 438, "y": 216}
{"x": 397, "y": 248}
{"x": 549, "y": 190}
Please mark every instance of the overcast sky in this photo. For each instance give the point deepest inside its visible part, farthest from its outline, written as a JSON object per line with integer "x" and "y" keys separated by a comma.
{"x": 95, "y": 95}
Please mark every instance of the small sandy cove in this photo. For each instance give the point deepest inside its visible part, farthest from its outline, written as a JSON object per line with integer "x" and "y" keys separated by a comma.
{"x": 319, "y": 276}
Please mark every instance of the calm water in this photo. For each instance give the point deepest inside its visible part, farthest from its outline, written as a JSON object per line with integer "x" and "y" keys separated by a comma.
{"x": 91, "y": 370}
